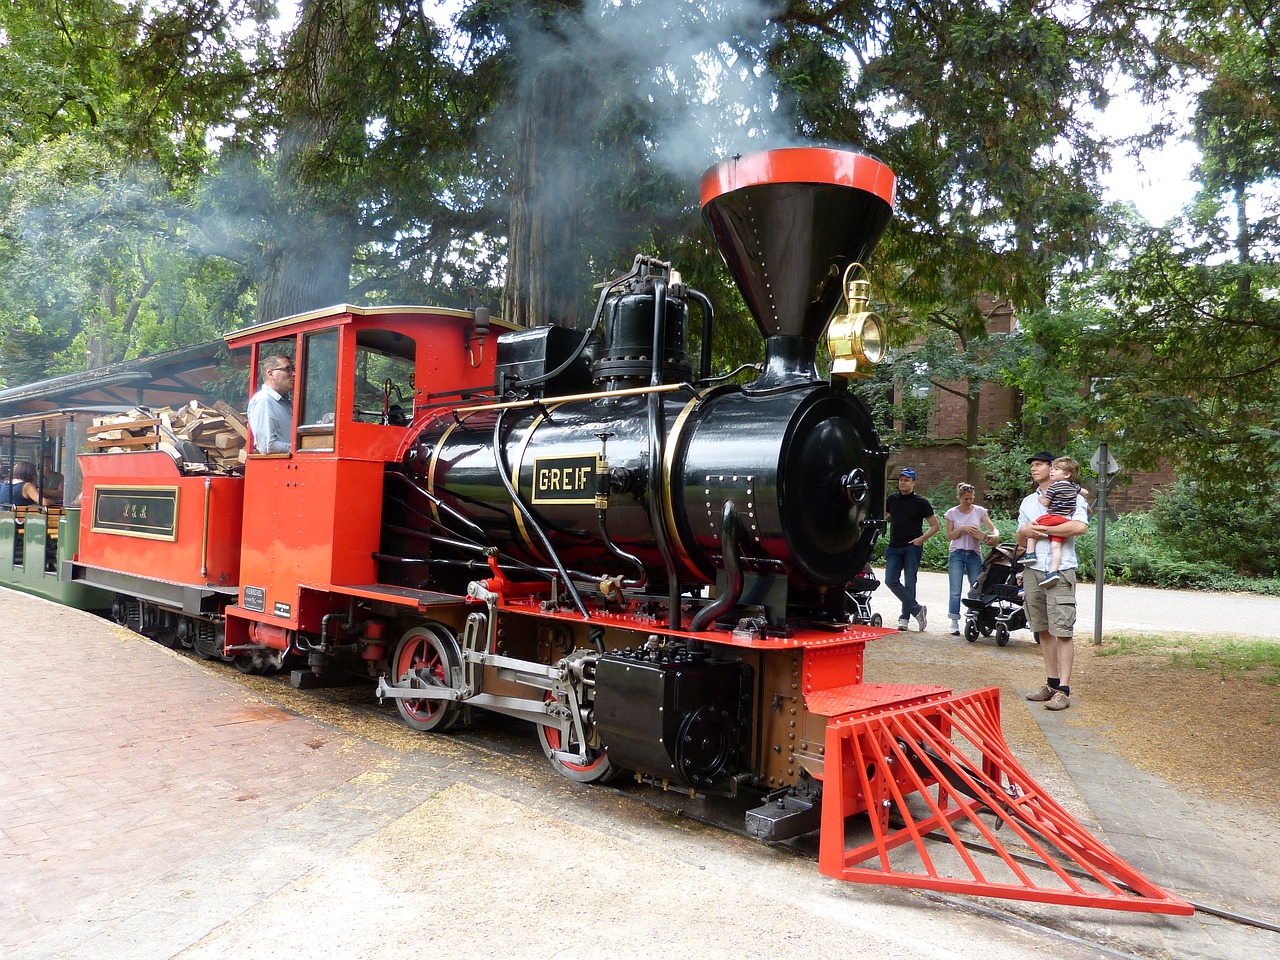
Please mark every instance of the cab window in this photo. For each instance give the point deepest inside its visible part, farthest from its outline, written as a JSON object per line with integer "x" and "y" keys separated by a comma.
{"x": 317, "y": 402}
{"x": 384, "y": 379}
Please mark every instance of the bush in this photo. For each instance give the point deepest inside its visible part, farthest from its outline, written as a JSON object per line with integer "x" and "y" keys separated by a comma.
{"x": 1202, "y": 525}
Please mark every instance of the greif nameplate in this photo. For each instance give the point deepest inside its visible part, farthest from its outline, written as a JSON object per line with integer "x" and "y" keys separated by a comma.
{"x": 567, "y": 479}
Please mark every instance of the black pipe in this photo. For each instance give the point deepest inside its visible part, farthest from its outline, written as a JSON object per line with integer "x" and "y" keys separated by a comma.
{"x": 439, "y": 505}
{"x": 657, "y": 443}
{"x": 602, "y": 512}
{"x": 732, "y": 571}
{"x": 40, "y": 467}
{"x": 621, "y": 554}
{"x": 708, "y": 313}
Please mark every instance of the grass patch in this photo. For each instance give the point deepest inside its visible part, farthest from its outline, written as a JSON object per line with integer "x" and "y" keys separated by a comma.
{"x": 1217, "y": 652}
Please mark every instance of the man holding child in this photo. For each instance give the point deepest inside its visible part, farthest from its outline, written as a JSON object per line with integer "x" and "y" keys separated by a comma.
{"x": 1050, "y": 595}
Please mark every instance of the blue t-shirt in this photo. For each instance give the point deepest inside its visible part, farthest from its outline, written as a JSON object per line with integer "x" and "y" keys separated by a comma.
{"x": 11, "y": 494}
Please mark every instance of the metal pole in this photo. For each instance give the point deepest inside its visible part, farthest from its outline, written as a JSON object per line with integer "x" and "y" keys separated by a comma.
{"x": 1104, "y": 480}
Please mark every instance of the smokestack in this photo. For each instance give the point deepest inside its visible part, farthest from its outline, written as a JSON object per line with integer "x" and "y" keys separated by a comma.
{"x": 788, "y": 223}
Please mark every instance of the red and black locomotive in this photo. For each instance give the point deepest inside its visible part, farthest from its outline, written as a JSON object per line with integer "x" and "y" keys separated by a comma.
{"x": 586, "y": 530}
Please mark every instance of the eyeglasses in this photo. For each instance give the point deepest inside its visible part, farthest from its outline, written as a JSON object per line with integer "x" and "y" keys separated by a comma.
{"x": 282, "y": 369}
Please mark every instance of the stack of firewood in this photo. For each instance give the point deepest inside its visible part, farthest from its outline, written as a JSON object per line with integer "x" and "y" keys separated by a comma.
{"x": 200, "y": 438}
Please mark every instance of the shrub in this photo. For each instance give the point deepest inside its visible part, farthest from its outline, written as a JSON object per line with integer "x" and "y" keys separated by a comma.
{"x": 1202, "y": 525}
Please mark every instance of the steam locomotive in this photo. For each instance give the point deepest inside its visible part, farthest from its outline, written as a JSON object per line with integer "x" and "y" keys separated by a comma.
{"x": 586, "y": 530}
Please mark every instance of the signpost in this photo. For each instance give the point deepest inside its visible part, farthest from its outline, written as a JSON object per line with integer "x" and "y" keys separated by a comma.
{"x": 1105, "y": 467}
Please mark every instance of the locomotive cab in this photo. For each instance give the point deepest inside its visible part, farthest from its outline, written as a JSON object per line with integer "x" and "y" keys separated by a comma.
{"x": 312, "y": 515}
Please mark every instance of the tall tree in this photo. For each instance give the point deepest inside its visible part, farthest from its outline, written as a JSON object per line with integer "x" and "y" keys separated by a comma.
{"x": 1185, "y": 328}
{"x": 111, "y": 103}
{"x": 981, "y": 110}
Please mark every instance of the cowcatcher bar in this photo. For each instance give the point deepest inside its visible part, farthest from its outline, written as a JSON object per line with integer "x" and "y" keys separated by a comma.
{"x": 949, "y": 759}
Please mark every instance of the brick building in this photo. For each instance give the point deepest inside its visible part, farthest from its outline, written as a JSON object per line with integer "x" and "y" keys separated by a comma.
{"x": 942, "y": 458}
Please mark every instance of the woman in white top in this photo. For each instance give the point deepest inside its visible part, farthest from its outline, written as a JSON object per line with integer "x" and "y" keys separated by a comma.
{"x": 968, "y": 528}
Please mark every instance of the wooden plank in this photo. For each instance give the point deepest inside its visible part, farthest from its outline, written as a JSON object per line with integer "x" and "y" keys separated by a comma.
{"x": 124, "y": 424}
{"x": 234, "y": 420}
{"x": 133, "y": 443}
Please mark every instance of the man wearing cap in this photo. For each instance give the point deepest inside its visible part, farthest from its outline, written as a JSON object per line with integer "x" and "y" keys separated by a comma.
{"x": 907, "y": 512}
{"x": 1051, "y": 610}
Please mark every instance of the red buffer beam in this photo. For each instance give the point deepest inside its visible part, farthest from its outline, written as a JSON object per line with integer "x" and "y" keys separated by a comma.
{"x": 943, "y": 770}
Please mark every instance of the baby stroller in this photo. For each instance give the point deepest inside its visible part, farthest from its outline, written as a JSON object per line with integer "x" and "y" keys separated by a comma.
{"x": 995, "y": 601}
{"x": 859, "y": 591}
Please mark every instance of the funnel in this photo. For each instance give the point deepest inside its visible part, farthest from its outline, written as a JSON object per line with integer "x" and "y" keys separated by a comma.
{"x": 788, "y": 222}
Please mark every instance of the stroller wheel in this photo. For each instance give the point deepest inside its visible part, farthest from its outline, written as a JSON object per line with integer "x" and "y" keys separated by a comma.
{"x": 1002, "y": 635}
{"x": 970, "y": 630}
{"x": 877, "y": 620}
{"x": 986, "y": 629}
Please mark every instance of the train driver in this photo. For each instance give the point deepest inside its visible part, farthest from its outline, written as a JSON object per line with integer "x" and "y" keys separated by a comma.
{"x": 270, "y": 414}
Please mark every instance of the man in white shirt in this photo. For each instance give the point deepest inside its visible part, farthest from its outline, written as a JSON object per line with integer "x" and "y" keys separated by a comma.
{"x": 270, "y": 414}
{"x": 1051, "y": 610}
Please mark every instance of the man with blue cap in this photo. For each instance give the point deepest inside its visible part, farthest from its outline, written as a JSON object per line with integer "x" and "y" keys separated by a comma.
{"x": 907, "y": 512}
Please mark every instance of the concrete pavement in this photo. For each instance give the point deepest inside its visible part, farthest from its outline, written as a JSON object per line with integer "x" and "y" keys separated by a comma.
{"x": 1123, "y": 608}
{"x": 152, "y": 809}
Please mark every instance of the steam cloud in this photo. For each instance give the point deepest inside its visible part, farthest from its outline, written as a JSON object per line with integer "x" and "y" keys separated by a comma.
{"x": 680, "y": 62}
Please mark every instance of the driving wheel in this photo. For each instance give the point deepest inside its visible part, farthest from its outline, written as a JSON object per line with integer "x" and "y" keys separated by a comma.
{"x": 596, "y": 769}
{"x": 429, "y": 656}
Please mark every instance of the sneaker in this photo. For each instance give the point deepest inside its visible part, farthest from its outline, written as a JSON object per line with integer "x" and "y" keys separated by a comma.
{"x": 1042, "y": 695}
{"x": 921, "y": 616}
{"x": 1059, "y": 701}
{"x": 1050, "y": 580}
{"x": 903, "y": 623}
{"x": 1028, "y": 561}
{"x": 955, "y": 627}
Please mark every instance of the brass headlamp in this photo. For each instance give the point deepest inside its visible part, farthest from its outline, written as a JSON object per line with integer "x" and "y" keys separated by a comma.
{"x": 856, "y": 336}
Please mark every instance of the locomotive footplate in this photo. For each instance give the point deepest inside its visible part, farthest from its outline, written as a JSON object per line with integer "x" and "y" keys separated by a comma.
{"x": 677, "y": 716}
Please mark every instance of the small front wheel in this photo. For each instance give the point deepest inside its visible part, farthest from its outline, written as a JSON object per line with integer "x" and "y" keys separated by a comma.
{"x": 877, "y": 620}
{"x": 970, "y": 631}
{"x": 1002, "y": 635}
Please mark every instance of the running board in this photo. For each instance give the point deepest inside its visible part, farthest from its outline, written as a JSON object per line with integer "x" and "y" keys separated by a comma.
{"x": 941, "y": 771}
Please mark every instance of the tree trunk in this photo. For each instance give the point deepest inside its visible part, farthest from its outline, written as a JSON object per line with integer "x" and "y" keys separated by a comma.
{"x": 972, "y": 400}
{"x": 1243, "y": 251}
{"x": 548, "y": 181}
{"x": 306, "y": 261}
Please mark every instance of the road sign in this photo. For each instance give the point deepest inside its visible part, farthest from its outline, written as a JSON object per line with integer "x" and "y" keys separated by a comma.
{"x": 1096, "y": 462}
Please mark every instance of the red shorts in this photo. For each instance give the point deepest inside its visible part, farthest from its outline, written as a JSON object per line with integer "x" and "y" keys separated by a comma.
{"x": 1052, "y": 520}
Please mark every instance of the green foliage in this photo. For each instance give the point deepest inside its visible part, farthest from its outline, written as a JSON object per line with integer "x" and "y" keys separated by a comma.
{"x": 1003, "y": 461}
{"x": 1177, "y": 328}
{"x": 100, "y": 265}
{"x": 1184, "y": 357}
{"x": 1233, "y": 531}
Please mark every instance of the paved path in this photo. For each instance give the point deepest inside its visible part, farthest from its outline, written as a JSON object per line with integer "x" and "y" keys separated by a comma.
{"x": 151, "y": 809}
{"x": 1123, "y": 608}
